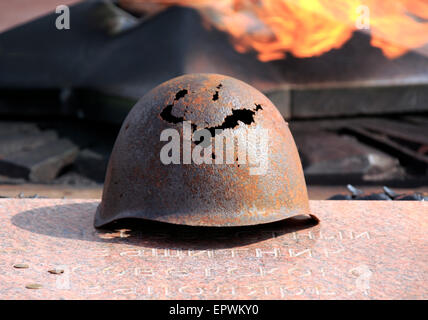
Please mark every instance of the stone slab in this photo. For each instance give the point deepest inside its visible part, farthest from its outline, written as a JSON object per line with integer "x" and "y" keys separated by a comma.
{"x": 359, "y": 250}
{"x": 41, "y": 164}
{"x": 358, "y": 100}
{"x": 328, "y": 156}
{"x": 10, "y": 144}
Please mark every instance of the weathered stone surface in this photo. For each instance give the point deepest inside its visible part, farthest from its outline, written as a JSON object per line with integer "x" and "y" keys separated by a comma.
{"x": 330, "y": 156}
{"x": 357, "y": 100}
{"x": 92, "y": 164}
{"x": 12, "y": 143}
{"x": 75, "y": 179}
{"x": 10, "y": 127}
{"x": 40, "y": 164}
{"x": 5, "y": 180}
{"x": 398, "y": 129}
{"x": 359, "y": 250}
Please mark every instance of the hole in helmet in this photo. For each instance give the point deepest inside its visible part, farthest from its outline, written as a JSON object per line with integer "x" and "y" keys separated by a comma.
{"x": 166, "y": 115}
{"x": 215, "y": 96}
{"x": 231, "y": 121}
{"x": 244, "y": 115}
{"x": 180, "y": 94}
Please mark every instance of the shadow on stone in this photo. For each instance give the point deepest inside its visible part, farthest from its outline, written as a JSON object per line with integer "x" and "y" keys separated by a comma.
{"x": 75, "y": 221}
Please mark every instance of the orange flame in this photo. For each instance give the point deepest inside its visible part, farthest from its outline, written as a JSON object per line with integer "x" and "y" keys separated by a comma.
{"x": 308, "y": 28}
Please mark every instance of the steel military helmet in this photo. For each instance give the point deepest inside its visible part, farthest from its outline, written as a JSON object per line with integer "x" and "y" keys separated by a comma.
{"x": 164, "y": 167}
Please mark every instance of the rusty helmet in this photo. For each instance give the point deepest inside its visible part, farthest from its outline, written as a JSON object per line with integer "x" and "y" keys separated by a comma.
{"x": 161, "y": 169}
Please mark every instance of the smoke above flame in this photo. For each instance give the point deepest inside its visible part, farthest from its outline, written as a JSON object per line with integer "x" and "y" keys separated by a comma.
{"x": 307, "y": 28}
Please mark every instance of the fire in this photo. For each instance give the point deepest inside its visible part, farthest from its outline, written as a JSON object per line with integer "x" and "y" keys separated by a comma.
{"x": 307, "y": 28}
